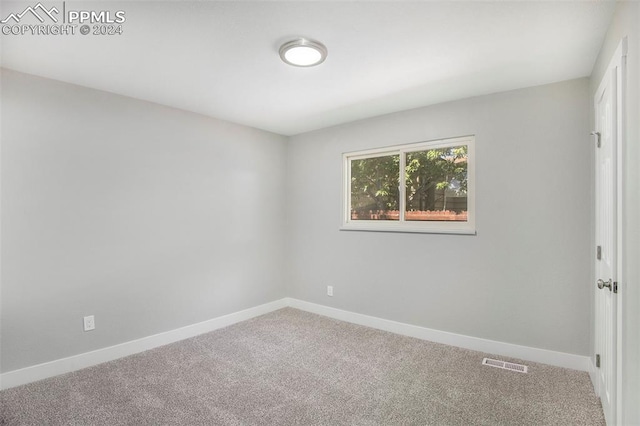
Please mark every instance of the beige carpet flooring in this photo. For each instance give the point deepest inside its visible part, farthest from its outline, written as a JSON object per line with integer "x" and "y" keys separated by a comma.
{"x": 295, "y": 368}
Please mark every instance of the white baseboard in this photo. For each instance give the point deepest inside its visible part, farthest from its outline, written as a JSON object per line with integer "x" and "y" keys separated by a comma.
{"x": 88, "y": 359}
{"x": 543, "y": 356}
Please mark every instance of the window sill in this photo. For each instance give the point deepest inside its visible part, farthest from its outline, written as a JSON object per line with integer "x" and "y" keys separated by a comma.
{"x": 404, "y": 228}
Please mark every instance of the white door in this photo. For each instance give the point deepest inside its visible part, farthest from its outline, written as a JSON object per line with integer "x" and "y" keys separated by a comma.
{"x": 606, "y": 107}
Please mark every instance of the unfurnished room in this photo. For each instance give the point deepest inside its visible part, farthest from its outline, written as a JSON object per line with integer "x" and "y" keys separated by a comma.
{"x": 320, "y": 213}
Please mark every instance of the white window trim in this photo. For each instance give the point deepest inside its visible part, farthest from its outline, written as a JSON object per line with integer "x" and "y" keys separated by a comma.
{"x": 435, "y": 227}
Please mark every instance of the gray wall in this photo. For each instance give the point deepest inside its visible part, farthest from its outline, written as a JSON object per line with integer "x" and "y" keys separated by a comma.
{"x": 148, "y": 217}
{"x": 524, "y": 278}
{"x": 626, "y": 23}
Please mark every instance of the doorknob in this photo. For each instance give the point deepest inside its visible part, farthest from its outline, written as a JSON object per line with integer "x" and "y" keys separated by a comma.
{"x": 603, "y": 284}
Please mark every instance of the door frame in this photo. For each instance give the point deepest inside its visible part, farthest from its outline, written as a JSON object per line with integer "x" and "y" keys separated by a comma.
{"x": 616, "y": 65}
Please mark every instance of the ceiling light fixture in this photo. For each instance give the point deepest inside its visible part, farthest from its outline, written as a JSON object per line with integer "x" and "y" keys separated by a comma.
{"x": 303, "y": 52}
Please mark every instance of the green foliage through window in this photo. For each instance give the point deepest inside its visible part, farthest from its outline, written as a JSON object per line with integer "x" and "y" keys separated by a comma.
{"x": 375, "y": 186}
{"x": 435, "y": 182}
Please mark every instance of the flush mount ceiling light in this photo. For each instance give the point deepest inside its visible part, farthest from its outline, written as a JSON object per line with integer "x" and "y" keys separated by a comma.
{"x": 303, "y": 52}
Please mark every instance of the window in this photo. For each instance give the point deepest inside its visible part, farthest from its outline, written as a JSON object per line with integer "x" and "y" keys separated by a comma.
{"x": 421, "y": 187}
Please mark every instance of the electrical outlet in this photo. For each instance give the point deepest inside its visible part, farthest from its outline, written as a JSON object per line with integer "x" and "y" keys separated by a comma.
{"x": 89, "y": 323}
{"x": 329, "y": 290}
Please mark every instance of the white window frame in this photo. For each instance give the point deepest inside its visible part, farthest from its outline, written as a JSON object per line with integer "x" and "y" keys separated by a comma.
{"x": 436, "y": 227}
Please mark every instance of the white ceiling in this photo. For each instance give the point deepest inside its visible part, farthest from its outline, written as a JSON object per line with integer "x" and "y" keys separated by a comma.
{"x": 221, "y": 58}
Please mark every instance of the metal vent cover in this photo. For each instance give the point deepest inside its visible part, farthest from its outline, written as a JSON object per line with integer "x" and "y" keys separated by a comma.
{"x": 505, "y": 365}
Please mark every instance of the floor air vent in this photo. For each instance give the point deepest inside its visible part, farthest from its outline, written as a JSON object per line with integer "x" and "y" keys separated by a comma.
{"x": 505, "y": 365}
